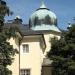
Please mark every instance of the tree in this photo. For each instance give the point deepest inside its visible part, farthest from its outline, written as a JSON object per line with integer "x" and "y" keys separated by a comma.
{"x": 62, "y": 53}
{"x": 6, "y": 50}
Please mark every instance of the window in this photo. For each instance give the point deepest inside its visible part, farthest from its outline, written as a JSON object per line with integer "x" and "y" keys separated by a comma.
{"x": 25, "y": 72}
{"x": 25, "y": 48}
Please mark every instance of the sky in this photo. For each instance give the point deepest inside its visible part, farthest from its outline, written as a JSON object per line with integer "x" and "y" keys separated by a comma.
{"x": 64, "y": 10}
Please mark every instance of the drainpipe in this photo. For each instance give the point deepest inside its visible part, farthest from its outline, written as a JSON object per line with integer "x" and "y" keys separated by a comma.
{"x": 19, "y": 53}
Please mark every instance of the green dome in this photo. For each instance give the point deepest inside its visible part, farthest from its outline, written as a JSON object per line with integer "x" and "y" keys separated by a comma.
{"x": 42, "y": 16}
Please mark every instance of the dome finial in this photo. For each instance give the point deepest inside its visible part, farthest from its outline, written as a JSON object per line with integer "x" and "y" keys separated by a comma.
{"x": 42, "y": 4}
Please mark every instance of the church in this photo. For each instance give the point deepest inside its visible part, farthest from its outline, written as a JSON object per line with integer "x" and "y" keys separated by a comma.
{"x": 34, "y": 42}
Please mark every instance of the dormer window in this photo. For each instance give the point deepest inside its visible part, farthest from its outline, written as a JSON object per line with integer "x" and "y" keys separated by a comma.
{"x": 25, "y": 48}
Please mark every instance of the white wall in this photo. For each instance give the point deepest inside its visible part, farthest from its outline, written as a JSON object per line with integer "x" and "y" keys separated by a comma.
{"x": 31, "y": 60}
{"x": 15, "y": 65}
{"x": 48, "y": 38}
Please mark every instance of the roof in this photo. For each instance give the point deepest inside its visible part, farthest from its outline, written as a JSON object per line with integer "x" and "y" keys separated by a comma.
{"x": 43, "y": 16}
{"x": 46, "y": 27}
{"x": 25, "y": 30}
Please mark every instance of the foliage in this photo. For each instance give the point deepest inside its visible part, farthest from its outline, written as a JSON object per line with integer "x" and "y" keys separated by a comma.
{"x": 6, "y": 50}
{"x": 63, "y": 53}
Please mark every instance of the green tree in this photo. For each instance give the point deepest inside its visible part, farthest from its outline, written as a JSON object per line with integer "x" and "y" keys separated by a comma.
{"x": 6, "y": 50}
{"x": 62, "y": 53}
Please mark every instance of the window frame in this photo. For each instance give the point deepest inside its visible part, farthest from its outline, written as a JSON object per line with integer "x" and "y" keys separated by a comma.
{"x": 25, "y": 48}
{"x": 25, "y": 72}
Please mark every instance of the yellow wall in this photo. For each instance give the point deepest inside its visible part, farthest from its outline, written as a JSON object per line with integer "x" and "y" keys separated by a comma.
{"x": 48, "y": 38}
{"x": 34, "y": 59}
{"x": 15, "y": 65}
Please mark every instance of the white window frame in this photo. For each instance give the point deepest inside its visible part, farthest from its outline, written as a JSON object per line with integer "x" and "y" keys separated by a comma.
{"x": 25, "y": 72}
{"x": 25, "y": 48}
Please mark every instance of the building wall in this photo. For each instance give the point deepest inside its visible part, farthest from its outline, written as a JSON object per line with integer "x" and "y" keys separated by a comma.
{"x": 46, "y": 70}
{"x": 31, "y": 60}
{"x": 15, "y": 65}
{"x": 34, "y": 59}
{"x": 48, "y": 38}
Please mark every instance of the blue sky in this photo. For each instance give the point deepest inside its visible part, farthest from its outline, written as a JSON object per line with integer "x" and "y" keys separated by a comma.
{"x": 64, "y": 10}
